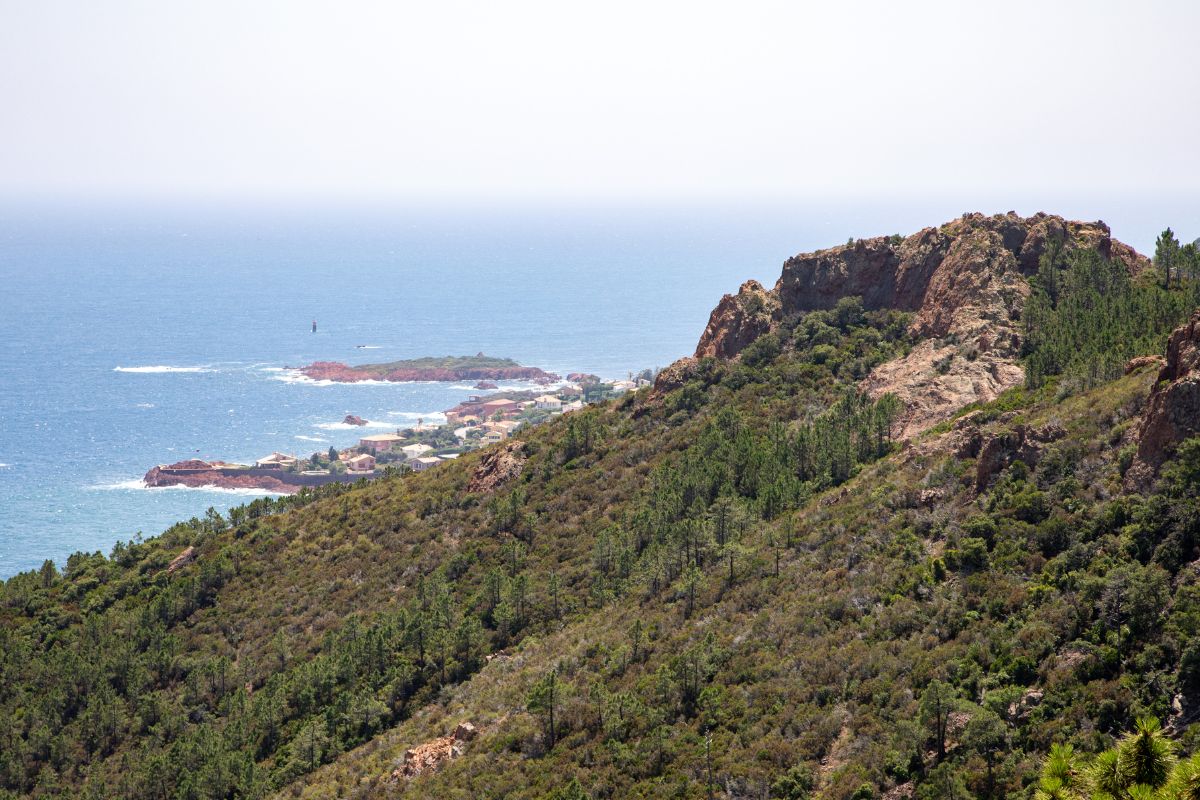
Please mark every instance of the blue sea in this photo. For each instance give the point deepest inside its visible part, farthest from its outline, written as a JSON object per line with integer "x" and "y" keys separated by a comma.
{"x": 134, "y": 336}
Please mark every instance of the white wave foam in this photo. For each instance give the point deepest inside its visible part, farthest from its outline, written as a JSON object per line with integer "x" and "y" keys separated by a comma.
{"x": 367, "y": 347}
{"x": 406, "y": 418}
{"x": 160, "y": 368}
{"x": 312, "y": 438}
{"x": 139, "y": 485}
{"x": 432, "y": 417}
{"x": 5, "y": 466}
{"x": 145, "y": 405}
{"x": 345, "y": 426}
{"x": 295, "y": 376}
{"x": 136, "y": 483}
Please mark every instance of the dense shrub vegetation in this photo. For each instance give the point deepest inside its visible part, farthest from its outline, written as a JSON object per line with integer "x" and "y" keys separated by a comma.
{"x": 739, "y": 586}
{"x": 1087, "y": 316}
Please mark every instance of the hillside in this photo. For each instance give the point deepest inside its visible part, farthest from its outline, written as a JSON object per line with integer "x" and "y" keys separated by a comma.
{"x": 903, "y": 522}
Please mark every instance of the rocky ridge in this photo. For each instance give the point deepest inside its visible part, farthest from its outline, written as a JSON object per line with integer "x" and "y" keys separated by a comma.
{"x": 1172, "y": 412}
{"x": 965, "y": 282}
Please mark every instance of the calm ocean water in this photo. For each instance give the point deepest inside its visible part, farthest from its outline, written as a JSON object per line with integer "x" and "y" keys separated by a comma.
{"x": 136, "y": 337}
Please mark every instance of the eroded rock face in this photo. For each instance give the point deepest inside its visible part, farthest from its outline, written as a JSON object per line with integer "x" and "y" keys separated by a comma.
{"x": 738, "y": 320}
{"x": 498, "y": 467}
{"x": 1173, "y": 411}
{"x": 966, "y": 283}
{"x": 1022, "y": 443}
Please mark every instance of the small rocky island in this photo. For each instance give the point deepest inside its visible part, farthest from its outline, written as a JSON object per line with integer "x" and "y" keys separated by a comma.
{"x": 448, "y": 368}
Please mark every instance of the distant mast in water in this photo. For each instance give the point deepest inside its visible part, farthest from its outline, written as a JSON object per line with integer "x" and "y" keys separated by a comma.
{"x": 314, "y": 326}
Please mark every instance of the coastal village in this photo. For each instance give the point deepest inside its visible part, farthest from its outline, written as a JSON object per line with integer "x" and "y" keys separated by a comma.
{"x": 478, "y": 421}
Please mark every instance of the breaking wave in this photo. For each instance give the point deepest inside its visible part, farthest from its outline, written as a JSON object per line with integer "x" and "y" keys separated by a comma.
{"x": 140, "y": 485}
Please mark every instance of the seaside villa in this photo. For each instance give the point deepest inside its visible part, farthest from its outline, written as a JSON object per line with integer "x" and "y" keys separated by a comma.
{"x": 380, "y": 442}
{"x": 415, "y": 450}
{"x": 276, "y": 461}
{"x": 548, "y": 402}
{"x": 363, "y": 464}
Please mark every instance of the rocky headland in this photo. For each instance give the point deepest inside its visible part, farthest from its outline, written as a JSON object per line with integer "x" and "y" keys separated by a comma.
{"x": 196, "y": 473}
{"x": 965, "y": 282}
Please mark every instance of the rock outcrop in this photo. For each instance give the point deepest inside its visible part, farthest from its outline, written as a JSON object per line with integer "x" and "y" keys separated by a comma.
{"x": 1173, "y": 411}
{"x": 186, "y": 473}
{"x": 1022, "y": 443}
{"x": 353, "y": 419}
{"x": 430, "y": 756}
{"x": 183, "y": 559}
{"x": 965, "y": 283}
{"x": 738, "y": 320}
{"x": 498, "y": 467}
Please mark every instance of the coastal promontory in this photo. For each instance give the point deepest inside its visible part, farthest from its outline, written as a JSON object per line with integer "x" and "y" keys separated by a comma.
{"x": 449, "y": 368}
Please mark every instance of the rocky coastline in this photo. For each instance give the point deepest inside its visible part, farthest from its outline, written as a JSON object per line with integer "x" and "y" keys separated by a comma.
{"x": 197, "y": 474}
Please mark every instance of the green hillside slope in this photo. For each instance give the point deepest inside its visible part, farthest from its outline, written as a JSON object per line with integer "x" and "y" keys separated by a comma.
{"x": 736, "y": 584}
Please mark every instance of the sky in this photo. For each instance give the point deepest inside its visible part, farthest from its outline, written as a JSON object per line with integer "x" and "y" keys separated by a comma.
{"x": 618, "y": 101}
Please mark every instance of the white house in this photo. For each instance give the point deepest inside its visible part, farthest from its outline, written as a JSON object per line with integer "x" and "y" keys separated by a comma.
{"x": 360, "y": 464}
{"x": 276, "y": 461}
{"x": 415, "y": 450}
{"x": 548, "y": 402}
{"x": 422, "y": 464}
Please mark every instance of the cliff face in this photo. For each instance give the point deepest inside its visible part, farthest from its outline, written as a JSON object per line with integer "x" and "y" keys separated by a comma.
{"x": 965, "y": 281}
{"x": 738, "y": 320}
{"x": 1173, "y": 411}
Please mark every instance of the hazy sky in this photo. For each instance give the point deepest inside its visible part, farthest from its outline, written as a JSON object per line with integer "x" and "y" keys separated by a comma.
{"x": 614, "y": 100}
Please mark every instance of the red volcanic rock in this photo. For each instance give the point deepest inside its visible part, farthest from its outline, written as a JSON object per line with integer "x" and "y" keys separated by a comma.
{"x": 485, "y": 385}
{"x": 341, "y": 373}
{"x": 965, "y": 283}
{"x": 583, "y": 378}
{"x": 737, "y": 321}
{"x": 430, "y": 756}
{"x": 352, "y": 419}
{"x": 159, "y": 477}
{"x": 1173, "y": 412}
